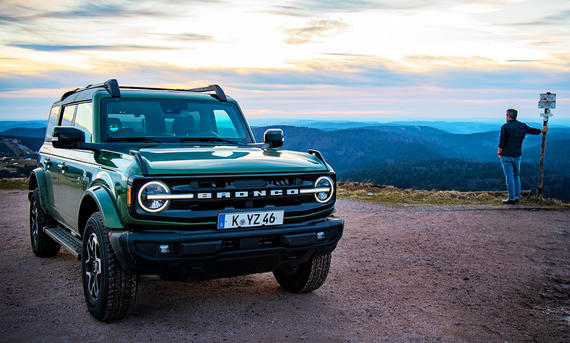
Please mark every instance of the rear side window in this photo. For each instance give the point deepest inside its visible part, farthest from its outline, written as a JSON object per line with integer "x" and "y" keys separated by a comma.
{"x": 84, "y": 120}
{"x": 68, "y": 113}
{"x": 52, "y": 122}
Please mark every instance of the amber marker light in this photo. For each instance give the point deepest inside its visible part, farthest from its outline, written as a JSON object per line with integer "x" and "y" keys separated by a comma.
{"x": 129, "y": 197}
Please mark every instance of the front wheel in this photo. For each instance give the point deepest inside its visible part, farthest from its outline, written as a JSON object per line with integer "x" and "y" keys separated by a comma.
{"x": 42, "y": 244}
{"x": 110, "y": 292}
{"x": 307, "y": 277}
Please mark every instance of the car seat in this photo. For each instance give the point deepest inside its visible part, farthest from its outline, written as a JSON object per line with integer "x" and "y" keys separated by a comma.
{"x": 183, "y": 126}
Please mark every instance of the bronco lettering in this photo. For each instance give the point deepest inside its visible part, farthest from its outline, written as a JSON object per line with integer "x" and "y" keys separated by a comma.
{"x": 247, "y": 194}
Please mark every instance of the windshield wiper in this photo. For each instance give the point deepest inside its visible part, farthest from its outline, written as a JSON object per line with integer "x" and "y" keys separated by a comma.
{"x": 135, "y": 139}
{"x": 208, "y": 139}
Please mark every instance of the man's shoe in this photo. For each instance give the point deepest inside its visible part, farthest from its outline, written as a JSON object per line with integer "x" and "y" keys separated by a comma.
{"x": 509, "y": 202}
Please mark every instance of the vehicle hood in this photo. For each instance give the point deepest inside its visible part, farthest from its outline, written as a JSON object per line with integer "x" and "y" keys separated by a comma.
{"x": 226, "y": 159}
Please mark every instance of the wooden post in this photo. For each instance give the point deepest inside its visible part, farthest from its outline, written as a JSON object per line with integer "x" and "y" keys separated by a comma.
{"x": 543, "y": 148}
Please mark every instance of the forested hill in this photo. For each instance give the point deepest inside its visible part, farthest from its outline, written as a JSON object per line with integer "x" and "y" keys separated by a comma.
{"x": 419, "y": 157}
{"x": 424, "y": 158}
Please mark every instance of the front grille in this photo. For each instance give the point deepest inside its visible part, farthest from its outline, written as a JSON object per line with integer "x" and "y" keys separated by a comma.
{"x": 255, "y": 193}
{"x": 251, "y": 243}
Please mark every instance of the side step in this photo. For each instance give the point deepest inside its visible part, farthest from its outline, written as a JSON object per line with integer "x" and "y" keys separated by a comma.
{"x": 65, "y": 239}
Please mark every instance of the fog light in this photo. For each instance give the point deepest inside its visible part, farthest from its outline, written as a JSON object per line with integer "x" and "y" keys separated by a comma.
{"x": 321, "y": 235}
{"x": 164, "y": 249}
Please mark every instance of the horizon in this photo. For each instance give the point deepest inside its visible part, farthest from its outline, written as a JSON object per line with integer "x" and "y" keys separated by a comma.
{"x": 450, "y": 126}
{"x": 357, "y": 61}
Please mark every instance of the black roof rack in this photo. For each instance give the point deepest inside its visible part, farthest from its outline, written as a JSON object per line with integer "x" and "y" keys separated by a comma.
{"x": 215, "y": 88}
{"x": 68, "y": 93}
{"x": 112, "y": 86}
{"x": 219, "y": 92}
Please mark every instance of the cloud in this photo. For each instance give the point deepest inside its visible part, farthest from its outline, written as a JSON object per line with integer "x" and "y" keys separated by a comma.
{"x": 63, "y": 47}
{"x": 351, "y": 71}
{"x": 291, "y": 11}
{"x": 549, "y": 20}
{"x": 367, "y": 88}
{"x": 9, "y": 20}
{"x": 437, "y": 62}
{"x": 82, "y": 10}
{"x": 314, "y": 29}
{"x": 358, "y": 5}
{"x": 184, "y": 37}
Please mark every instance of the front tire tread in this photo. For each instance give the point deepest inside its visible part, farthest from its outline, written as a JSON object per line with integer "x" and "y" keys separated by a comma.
{"x": 118, "y": 292}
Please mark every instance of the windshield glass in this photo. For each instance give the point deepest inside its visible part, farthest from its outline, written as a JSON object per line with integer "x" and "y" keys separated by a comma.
{"x": 172, "y": 120}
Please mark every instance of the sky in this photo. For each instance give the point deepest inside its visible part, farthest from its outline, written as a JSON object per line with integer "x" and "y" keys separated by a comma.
{"x": 358, "y": 60}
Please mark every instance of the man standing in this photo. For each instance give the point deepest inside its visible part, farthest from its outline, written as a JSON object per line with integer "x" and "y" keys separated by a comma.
{"x": 510, "y": 144}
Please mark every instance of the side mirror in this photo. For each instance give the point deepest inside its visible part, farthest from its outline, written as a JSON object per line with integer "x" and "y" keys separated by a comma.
{"x": 66, "y": 137}
{"x": 273, "y": 138}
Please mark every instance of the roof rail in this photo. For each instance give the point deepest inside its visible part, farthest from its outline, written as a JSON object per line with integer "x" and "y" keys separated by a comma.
{"x": 68, "y": 93}
{"x": 111, "y": 85}
{"x": 215, "y": 88}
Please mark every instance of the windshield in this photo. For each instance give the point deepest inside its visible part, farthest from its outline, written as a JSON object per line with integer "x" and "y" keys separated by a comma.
{"x": 172, "y": 120}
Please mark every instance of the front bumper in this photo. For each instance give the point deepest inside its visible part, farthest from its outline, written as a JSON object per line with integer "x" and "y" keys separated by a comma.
{"x": 214, "y": 254}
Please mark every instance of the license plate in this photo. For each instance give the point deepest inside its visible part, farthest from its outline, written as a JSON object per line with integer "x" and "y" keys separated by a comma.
{"x": 249, "y": 219}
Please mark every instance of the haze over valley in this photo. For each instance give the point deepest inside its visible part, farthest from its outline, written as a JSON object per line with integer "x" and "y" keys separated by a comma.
{"x": 406, "y": 156}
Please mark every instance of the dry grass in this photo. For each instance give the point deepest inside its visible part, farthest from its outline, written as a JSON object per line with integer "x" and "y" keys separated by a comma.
{"x": 393, "y": 196}
{"x": 14, "y": 183}
{"x": 396, "y": 196}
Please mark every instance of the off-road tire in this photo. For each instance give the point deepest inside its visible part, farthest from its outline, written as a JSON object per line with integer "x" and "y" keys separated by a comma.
{"x": 42, "y": 244}
{"x": 307, "y": 277}
{"x": 117, "y": 288}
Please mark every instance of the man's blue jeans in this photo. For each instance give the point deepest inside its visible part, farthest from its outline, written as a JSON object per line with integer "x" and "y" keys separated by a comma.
{"x": 512, "y": 170}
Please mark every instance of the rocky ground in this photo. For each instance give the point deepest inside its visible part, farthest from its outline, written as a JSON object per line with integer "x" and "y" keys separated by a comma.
{"x": 426, "y": 274}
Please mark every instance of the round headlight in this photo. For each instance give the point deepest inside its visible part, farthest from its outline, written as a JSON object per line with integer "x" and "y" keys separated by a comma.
{"x": 327, "y": 185}
{"x": 147, "y": 193}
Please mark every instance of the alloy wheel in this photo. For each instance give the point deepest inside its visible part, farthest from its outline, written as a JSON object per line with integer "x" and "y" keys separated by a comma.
{"x": 93, "y": 266}
{"x": 34, "y": 220}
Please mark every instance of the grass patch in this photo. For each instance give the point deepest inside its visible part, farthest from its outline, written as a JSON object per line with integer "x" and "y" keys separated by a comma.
{"x": 14, "y": 183}
{"x": 395, "y": 196}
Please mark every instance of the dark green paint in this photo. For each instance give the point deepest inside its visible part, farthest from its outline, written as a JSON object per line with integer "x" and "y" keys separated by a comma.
{"x": 103, "y": 173}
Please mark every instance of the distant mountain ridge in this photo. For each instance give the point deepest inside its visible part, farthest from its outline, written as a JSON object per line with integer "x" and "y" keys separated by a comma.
{"x": 24, "y": 132}
{"x": 456, "y": 127}
{"x": 27, "y": 124}
{"x": 351, "y": 149}
{"x": 424, "y": 157}
{"x": 414, "y": 156}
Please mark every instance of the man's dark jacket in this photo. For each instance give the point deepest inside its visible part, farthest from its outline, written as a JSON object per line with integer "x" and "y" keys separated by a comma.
{"x": 512, "y": 136}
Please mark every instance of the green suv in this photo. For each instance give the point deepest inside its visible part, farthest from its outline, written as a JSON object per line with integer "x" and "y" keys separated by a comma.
{"x": 170, "y": 182}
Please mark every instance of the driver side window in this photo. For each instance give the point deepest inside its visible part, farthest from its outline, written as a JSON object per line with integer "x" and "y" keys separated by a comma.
{"x": 84, "y": 120}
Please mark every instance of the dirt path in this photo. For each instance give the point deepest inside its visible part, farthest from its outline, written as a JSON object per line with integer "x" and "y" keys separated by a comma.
{"x": 399, "y": 275}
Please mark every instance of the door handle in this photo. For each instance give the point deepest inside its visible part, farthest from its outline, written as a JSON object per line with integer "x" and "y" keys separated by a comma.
{"x": 48, "y": 162}
{"x": 62, "y": 166}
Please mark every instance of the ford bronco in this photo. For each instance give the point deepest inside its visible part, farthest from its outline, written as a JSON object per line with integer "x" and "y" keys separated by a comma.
{"x": 170, "y": 182}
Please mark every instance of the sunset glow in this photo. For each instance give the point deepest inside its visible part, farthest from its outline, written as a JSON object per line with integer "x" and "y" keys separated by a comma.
{"x": 357, "y": 60}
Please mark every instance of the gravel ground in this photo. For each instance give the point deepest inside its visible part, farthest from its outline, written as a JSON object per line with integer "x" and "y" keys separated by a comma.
{"x": 420, "y": 274}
